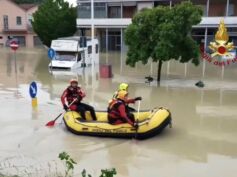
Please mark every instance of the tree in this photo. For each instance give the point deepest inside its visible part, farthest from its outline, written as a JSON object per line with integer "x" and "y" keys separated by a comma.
{"x": 162, "y": 34}
{"x": 54, "y": 19}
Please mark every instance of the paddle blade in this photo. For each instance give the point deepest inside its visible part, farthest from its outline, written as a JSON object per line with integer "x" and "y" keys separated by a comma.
{"x": 50, "y": 123}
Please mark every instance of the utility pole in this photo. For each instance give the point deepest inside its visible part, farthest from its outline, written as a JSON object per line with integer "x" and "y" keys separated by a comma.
{"x": 92, "y": 34}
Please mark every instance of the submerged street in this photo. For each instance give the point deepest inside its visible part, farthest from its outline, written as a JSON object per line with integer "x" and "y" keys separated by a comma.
{"x": 202, "y": 141}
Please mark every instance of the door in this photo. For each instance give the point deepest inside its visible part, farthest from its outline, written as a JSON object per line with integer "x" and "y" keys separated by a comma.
{"x": 114, "y": 40}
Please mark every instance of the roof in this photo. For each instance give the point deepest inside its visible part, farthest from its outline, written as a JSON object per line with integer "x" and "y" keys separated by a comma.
{"x": 24, "y": 7}
{"x": 27, "y": 6}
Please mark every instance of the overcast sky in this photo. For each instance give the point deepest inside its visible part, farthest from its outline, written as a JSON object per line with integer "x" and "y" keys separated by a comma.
{"x": 74, "y": 2}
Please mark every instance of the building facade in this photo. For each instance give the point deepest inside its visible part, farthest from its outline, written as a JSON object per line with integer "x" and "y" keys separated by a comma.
{"x": 15, "y": 22}
{"x": 111, "y": 17}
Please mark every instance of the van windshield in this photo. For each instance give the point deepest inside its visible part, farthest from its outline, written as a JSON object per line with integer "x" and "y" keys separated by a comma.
{"x": 65, "y": 56}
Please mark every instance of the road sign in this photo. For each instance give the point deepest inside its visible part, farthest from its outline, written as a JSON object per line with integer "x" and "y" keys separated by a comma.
{"x": 33, "y": 89}
{"x": 51, "y": 53}
{"x": 14, "y": 46}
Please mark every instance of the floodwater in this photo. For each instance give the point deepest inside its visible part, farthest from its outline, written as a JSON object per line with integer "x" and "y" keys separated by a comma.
{"x": 202, "y": 141}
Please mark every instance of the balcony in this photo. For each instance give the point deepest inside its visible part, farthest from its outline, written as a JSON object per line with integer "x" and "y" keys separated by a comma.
{"x": 18, "y": 30}
{"x": 14, "y": 31}
{"x": 124, "y": 22}
{"x": 215, "y": 21}
{"x": 104, "y": 22}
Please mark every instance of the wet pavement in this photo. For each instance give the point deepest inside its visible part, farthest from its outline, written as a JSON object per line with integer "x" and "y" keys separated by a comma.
{"x": 202, "y": 141}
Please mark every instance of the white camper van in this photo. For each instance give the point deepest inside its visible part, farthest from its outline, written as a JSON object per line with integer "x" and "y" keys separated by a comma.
{"x": 69, "y": 54}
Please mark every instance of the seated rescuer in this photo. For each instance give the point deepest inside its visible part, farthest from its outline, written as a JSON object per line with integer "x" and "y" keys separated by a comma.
{"x": 117, "y": 113}
{"x": 124, "y": 87}
{"x": 73, "y": 92}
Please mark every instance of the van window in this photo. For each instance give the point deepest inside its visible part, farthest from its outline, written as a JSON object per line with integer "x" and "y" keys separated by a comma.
{"x": 89, "y": 49}
{"x": 79, "y": 56}
{"x": 96, "y": 48}
{"x": 65, "y": 56}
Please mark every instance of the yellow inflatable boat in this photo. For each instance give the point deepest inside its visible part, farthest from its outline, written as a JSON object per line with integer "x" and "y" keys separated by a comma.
{"x": 150, "y": 124}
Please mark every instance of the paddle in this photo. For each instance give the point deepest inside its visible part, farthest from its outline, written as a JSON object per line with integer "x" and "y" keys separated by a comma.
{"x": 137, "y": 119}
{"x": 138, "y": 109}
{"x": 52, "y": 122}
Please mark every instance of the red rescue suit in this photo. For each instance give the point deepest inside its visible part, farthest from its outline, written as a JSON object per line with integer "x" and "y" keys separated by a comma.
{"x": 117, "y": 113}
{"x": 70, "y": 94}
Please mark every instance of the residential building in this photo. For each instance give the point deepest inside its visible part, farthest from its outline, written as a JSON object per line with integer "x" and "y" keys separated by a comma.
{"x": 111, "y": 17}
{"x": 15, "y": 22}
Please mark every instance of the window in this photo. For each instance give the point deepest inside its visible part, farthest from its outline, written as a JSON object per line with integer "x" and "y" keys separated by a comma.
{"x": 84, "y": 10}
{"x": 89, "y": 49}
{"x": 129, "y": 11}
{"x": 96, "y": 48}
{"x": 231, "y": 10}
{"x": 65, "y": 56}
{"x": 100, "y": 10}
{"x": 18, "y": 20}
{"x": 217, "y": 8}
{"x": 5, "y": 22}
{"x": 30, "y": 19}
{"x": 114, "y": 12}
{"x": 79, "y": 56}
{"x": 21, "y": 40}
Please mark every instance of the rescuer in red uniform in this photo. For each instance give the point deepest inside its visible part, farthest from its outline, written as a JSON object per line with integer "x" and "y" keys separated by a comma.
{"x": 117, "y": 112}
{"x": 73, "y": 92}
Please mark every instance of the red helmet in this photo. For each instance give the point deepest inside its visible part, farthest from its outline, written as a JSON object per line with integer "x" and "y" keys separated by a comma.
{"x": 73, "y": 81}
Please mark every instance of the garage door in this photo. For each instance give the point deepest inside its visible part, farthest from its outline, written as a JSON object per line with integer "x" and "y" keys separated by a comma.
{"x": 37, "y": 41}
{"x": 21, "y": 39}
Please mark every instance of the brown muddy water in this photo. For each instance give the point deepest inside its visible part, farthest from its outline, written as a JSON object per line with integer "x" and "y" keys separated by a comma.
{"x": 202, "y": 141}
